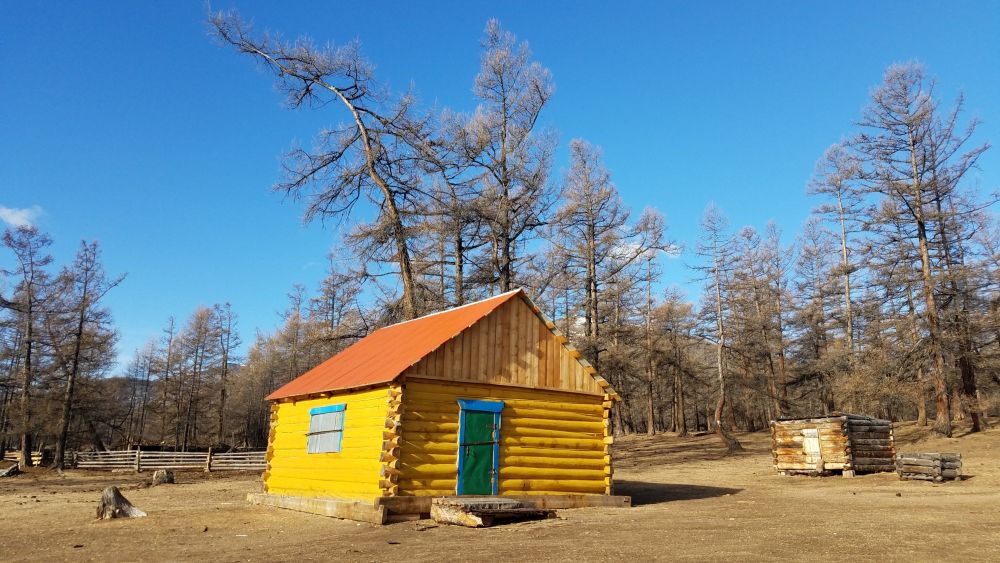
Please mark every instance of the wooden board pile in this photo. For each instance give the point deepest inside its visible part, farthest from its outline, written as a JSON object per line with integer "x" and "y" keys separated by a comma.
{"x": 929, "y": 466}
{"x": 871, "y": 445}
{"x": 478, "y": 512}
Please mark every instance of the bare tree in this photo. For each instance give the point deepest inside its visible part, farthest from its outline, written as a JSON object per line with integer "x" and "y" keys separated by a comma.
{"x": 837, "y": 174}
{"x": 676, "y": 318}
{"x": 907, "y": 149}
{"x": 591, "y": 230}
{"x": 818, "y": 362}
{"x": 87, "y": 284}
{"x": 501, "y": 140}
{"x": 752, "y": 279}
{"x": 716, "y": 248}
{"x": 370, "y": 158}
{"x": 229, "y": 340}
{"x": 29, "y": 247}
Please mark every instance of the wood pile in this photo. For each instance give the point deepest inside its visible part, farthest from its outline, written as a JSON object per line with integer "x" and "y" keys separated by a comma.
{"x": 929, "y": 466}
{"x": 871, "y": 444}
{"x": 479, "y": 512}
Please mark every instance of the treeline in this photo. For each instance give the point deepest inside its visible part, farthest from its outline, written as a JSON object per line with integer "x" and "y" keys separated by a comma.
{"x": 57, "y": 355}
{"x": 56, "y": 344}
{"x": 886, "y": 303}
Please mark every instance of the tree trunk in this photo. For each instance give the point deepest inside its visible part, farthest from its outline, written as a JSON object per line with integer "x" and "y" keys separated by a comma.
{"x": 782, "y": 368}
{"x": 845, "y": 264}
{"x": 220, "y": 433}
{"x": 617, "y": 413}
{"x": 730, "y": 441}
{"x": 763, "y": 327}
{"x": 26, "y": 380}
{"x": 680, "y": 423}
{"x": 966, "y": 367}
{"x": 650, "y": 366}
{"x": 166, "y": 381}
{"x": 459, "y": 267}
{"x": 942, "y": 418}
{"x": 95, "y": 436}
{"x": 970, "y": 397}
{"x": 114, "y": 505}
{"x": 67, "y": 403}
{"x": 503, "y": 237}
{"x": 650, "y": 409}
{"x": 921, "y": 399}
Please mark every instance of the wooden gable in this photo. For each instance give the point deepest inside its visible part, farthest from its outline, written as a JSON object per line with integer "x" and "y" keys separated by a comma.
{"x": 514, "y": 346}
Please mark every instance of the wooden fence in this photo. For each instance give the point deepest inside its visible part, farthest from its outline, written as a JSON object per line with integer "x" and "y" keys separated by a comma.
{"x": 15, "y": 457}
{"x": 139, "y": 460}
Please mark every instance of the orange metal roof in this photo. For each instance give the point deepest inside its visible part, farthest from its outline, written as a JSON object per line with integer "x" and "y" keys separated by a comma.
{"x": 384, "y": 354}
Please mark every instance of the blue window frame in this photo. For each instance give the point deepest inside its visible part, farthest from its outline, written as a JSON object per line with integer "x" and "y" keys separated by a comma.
{"x": 495, "y": 407}
{"x": 326, "y": 429}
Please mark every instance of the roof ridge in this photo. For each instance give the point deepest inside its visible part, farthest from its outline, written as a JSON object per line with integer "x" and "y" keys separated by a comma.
{"x": 443, "y": 311}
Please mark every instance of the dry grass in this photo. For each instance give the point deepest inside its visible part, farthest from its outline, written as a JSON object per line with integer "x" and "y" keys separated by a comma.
{"x": 692, "y": 503}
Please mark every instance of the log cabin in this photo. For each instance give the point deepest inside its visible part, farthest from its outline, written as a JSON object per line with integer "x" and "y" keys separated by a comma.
{"x": 483, "y": 399}
{"x": 845, "y": 443}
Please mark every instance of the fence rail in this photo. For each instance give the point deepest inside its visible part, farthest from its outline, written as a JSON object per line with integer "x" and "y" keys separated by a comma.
{"x": 15, "y": 457}
{"x": 140, "y": 460}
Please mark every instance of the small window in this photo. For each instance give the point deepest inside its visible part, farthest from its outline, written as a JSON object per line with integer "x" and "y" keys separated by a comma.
{"x": 326, "y": 429}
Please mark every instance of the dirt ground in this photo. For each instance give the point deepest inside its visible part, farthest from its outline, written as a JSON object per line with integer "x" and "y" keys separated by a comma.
{"x": 690, "y": 503}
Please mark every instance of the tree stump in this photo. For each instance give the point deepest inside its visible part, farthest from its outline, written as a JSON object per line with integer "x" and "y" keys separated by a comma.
{"x": 162, "y": 476}
{"x": 114, "y": 505}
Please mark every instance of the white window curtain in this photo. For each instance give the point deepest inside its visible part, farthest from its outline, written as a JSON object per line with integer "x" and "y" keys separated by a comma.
{"x": 326, "y": 431}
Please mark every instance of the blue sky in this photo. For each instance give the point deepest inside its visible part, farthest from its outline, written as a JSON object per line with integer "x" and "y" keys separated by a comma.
{"x": 126, "y": 123}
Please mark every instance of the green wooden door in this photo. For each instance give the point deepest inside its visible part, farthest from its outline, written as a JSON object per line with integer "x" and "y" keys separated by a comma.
{"x": 479, "y": 437}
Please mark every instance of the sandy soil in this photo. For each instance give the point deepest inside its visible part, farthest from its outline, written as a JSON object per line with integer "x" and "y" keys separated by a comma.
{"x": 691, "y": 503}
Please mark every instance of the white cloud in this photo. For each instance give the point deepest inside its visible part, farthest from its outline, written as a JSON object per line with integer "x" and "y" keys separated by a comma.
{"x": 19, "y": 217}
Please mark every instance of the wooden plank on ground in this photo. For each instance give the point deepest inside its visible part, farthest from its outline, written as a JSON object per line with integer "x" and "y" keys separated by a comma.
{"x": 349, "y": 510}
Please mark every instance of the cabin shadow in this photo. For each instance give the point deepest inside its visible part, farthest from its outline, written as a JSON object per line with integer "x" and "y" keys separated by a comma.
{"x": 644, "y": 492}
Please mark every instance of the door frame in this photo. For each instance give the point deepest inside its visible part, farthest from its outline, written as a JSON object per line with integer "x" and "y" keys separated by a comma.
{"x": 495, "y": 407}
{"x": 811, "y": 437}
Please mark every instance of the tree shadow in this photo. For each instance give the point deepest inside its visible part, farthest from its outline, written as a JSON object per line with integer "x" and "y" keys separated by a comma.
{"x": 644, "y": 492}
{"x": 666, "y": 449}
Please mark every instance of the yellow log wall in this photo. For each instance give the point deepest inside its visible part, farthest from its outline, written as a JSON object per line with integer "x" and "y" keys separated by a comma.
{"x": 550, "y": 443}
{"x": 352, "y": 473}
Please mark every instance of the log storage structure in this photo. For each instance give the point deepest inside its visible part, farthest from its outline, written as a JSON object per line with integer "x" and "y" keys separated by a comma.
{"x": 848, "y": 443}
{"x": 483, "y": 399}
{"x": 929, "y": 466}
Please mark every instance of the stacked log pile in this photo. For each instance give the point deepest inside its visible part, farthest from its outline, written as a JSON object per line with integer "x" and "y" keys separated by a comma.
{"x": 929, "y": 466}
{"x": 872, "y": 447}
